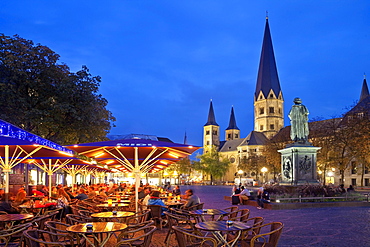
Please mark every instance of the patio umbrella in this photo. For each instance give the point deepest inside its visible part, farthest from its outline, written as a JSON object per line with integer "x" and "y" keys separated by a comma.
{"x": 135, "y": 155}
{"x": 17, "y": 145}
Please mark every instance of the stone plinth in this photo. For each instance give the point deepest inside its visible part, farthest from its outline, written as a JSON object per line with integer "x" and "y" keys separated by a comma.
{"x": 298, "y": 164}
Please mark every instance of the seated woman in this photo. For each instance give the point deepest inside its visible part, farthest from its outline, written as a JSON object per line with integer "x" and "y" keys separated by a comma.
{"x": 20, "y": 198}
{"x": 155, "y": 200}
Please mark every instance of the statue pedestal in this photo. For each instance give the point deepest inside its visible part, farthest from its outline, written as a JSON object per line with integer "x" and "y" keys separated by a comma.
{"x": 298, "y": 164}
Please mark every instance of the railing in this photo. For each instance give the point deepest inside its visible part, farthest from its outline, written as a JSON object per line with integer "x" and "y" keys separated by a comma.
{"x": 300, "y": 199}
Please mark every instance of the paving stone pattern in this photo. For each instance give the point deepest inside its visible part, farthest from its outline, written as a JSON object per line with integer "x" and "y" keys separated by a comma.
{"x": 329, "y": 227}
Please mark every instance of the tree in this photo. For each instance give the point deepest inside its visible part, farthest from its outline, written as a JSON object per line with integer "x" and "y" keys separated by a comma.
{"x": 45, "y": 98}
{"x": 253, "y": 163}
{"x": 211, "y": 163}
{"x": 181, "y": 167}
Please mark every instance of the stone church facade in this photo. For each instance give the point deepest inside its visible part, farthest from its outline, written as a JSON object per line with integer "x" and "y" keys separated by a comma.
{"x": 268, "y": 123}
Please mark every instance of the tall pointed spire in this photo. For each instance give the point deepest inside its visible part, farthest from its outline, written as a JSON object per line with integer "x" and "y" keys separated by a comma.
{"x": 267, "y": 73}
{"x": 211, "y": 116}
{"x": 365, "y": 90}
{"x": 185, "y": 139}
{"x": 232, "y": 122}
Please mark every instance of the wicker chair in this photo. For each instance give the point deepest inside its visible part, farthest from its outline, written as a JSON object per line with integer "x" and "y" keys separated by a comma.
{"x": 61, "y": 228}
{"x": 36, "y": 238}
{"x": 240, "y": 215}
{"x": 39, "y": 221}
{"x": 269, "y": 235}
{"x": 77, "y": 219}
{"x": 14, "y": 235}
{"x": 186, "y": 239}
{"x": 140, "y": 239}
{"x": 195, "y": 207}
{"x": 140, "y": 217}
{"x": 178, "y": 220}
{"x": 156, "y": 213}
{"x": 256, "y": 223}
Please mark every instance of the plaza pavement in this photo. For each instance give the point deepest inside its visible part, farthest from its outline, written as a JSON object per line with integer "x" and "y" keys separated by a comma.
{"x": 329, "y": 227}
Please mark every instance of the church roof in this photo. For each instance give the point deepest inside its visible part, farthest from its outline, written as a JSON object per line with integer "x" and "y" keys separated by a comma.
{"x": 211, "y": 116}
{"x": 364, "y": 91}
{"x": 267, "y": 73}
{"x": 232, "y": 122}
{"x": 255, "y": 138}
{"x": 232, "y": 145}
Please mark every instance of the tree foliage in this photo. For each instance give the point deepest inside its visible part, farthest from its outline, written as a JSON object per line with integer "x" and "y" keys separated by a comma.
{"x": 45, "y": 98}
{"x": 211, "y": 163}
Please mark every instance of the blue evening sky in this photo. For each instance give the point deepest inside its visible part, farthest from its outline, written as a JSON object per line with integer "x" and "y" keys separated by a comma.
{"x": 162, "y": 61}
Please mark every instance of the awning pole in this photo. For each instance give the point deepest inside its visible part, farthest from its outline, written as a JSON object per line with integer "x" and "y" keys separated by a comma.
{"x": 137, "y": 178}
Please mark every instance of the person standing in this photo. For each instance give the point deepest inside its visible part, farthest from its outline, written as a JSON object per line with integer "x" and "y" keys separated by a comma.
{"x": 262, "y": 197}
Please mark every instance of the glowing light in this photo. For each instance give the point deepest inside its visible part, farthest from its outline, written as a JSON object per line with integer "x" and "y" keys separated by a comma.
{"x": 190, "y": 146}
{"x": 109, "y": 162}
{"x": 173, "y": 155}
{"x": 164, "y": 162}
{"x": 75, "y": 146}
{"x": 65, "y": 153}
{"x": 99, "y": 154}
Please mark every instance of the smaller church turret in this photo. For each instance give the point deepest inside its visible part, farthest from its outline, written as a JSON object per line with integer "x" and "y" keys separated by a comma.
{"x": 211, "y": 134}
{"x": 232, "y": 132}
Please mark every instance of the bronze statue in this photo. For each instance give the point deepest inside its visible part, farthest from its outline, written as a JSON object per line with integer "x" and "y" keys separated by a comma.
{"x": 299, "y": 122}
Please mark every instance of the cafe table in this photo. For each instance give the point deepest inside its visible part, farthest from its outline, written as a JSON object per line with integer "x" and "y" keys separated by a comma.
{"x": 96, "y": 231}
{"x": 174, "y": 204}
{"x": 113, "y": 206}
{"x": 10, "y": 219}
{"x": 119, "y": 216}
{"x": 201, "y": 213}
{"x": 220, "y": 229}
{"x": 118, "y": 201}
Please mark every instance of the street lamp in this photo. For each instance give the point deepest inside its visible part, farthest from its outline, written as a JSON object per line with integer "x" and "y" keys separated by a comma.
{"x": 264, "y": 170}
{"x": 240, "y": 172}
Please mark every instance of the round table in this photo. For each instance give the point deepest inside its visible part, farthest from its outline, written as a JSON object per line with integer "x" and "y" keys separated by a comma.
{"x": 113, "y": 206}
{"x": 98, "y": 228}
{"x": 210, "y": 212}
{"x": 12, "y": 218}
{"x": 218, "y": 227}
{"x": 109, "y": 215}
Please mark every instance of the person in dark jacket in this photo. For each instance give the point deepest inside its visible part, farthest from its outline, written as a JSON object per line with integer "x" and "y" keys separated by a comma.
{"x": 6, "y": 205}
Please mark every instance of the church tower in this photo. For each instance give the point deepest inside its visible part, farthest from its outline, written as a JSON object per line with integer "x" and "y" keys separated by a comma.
{"x": 211, "y": 134}
{"x": 268, "y": 97}
{"x": 232, "y": 132}
{"x": 364, "y": 90}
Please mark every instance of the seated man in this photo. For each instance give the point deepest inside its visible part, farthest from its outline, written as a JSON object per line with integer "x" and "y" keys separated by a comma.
{"x": 191, "y": 199}
{"x": 243, "y": 195}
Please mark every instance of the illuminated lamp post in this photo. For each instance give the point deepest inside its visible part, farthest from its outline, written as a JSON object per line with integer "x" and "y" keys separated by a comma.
{"x": 240, "y": 173}
{"x": 264, "y": 170}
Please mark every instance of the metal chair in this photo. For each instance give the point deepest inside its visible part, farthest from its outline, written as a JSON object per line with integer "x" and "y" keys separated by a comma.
{"x": 178, "y": 220}
{"x": 269, "y": 235}
{"x": 186, "y": 239}
{"x": 156, "y": 213}
{"x": 142, "y": 240}
{"x": 14, "y": 235}
{"x": 61, "y": 228}
{"x": 36, "y": 238}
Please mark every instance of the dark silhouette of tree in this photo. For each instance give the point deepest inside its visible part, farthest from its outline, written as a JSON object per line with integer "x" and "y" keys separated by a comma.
{"x": 45, "y": 98}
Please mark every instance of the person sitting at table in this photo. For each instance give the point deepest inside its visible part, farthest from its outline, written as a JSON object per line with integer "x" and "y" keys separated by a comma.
{"x": 54, "y": 193}
{"x": 63, "y": 202}
{"x": 262, "y": 197}
{"x": 191, "y": 199}
{"x": 20, "y": 198}
{"x": 176, "y": 191}
{"x": 82, "y": 195}
{"x": 6, "y": 205}
{"x": 91, "y": 192}
{"x": 102, "y": 193}
{"x": 156, "y": 200}
{"x": 43, "y": 189}
{"x": 243, "y": 195}
{"x": 141, "y": 193}
{"x": 147, "y": 192}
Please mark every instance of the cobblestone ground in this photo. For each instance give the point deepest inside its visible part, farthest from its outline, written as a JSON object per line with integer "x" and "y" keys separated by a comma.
{"x": 329, "y": 227}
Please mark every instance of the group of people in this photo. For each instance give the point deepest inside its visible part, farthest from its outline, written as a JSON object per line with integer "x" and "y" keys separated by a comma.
{"x": 243, "y": 193}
